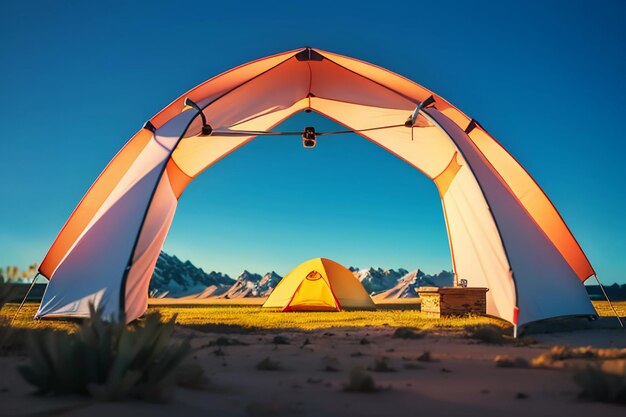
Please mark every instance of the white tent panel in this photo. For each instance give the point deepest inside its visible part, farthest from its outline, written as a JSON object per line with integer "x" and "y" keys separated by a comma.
{"x": 104, "y": 248}
{"x": 153, "y": 234}
{"x": 84, "y": 276}
{"x": 546, "y": 285}
{"x": 480, "y": 258}
{"x": 427, "y": 148}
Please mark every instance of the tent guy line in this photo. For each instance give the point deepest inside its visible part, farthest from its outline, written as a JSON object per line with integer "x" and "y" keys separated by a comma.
{"x": 246, "y": 133}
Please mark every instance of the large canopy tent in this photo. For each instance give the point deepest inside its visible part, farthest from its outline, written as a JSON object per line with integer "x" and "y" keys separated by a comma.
{"x": 504, "y": 232}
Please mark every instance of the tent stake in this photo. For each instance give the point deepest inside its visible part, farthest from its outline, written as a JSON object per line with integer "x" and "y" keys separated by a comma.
{"x": 32, "y": 285}
{"x": 610, "y": 303}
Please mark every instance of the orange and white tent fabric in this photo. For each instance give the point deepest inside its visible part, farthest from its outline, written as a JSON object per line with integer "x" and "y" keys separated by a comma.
{"x": 319, "y": 285}
{"x": 504, "y": 232}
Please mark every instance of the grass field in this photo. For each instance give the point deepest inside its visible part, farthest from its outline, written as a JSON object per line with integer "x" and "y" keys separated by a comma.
{"x": 222, "y": 317}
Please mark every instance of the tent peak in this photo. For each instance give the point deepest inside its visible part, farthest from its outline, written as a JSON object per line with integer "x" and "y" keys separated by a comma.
{"x": 309, "y": 54}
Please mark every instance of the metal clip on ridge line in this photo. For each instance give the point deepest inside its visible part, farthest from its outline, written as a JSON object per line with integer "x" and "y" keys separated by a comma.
{"x": 206, "y": 128}
{"x": 424, "y": 104}
{"x": 238, "y": 133}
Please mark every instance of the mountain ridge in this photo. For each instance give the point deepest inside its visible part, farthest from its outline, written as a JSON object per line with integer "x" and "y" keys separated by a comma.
{"x": 175, "y": 278}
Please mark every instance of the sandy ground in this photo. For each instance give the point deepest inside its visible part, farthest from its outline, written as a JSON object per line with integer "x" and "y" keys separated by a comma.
{"x": 461, "y": 381}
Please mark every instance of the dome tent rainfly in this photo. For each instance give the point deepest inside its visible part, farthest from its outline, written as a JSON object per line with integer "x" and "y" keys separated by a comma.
{"x": 319, "y": 285}
{"x": 504, "y": 232}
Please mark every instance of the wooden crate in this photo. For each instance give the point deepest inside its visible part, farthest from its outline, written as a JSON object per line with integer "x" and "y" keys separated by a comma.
{"x": 442, "y": 301}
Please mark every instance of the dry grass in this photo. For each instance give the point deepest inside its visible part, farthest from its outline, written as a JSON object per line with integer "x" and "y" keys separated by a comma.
{"x": 603, "y": 308}
{"x": 25, "y": 318}
{"x": 254, "y": 317}
{"x": 242, "y": 317}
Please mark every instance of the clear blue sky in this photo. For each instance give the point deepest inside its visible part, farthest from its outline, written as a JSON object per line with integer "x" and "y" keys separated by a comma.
{"x": 79, "y": 78}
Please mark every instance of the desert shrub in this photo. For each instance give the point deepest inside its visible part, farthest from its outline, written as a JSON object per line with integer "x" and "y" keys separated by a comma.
{"x": 227, "y": 341}
{"x": 603, "y": 382}
{"x": 380, "y": 364}
{"x": 585, "y": 352}
{"x": 486, "y": 333}
{"x": 268, "y": 365}
{"x": 360, "y": 381}
{"x": 413, "y": 366}
{"x": 426, "y": 356}
{"x": 554, "y": 357}
{"x": 280, "y": 340}
{"x": 526, "y": 341}
{"x": 565, "y": 352}
{"x": 107, "y": 360}
{"x": 505, "y": 361}
{"x": 408, "y": 333}
{"x": 330, "y": 364}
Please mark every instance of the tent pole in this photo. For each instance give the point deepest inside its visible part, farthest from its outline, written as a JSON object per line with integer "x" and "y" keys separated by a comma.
{"x": 607, "y": 299}
{"x": 32, "y": 285}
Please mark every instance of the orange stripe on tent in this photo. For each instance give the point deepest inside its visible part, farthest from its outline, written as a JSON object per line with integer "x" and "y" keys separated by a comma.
{"x": 444, "y": 179}
{"x": 451, "y": 112}
{"x": 178, "y": 179}
{"x": 534, "y": 200}
{"x": 93, "y": 199}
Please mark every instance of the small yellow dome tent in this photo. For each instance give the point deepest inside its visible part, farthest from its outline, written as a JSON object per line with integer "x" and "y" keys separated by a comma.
{"x": 319, "y": 285}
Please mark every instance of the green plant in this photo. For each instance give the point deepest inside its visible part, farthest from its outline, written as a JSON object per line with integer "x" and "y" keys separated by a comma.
{"x": 603, "y": 382}
{"x": 107, "y": 360}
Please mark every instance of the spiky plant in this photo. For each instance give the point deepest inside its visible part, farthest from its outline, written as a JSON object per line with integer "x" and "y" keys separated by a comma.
{"x": 106, "y": 360}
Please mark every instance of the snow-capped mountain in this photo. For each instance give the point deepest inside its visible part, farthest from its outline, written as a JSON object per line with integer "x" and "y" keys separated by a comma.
{"x": 407, "y": 285}
{"x": 249, "y": 284}
{"x": 268, "y": 283}
{"x": 378, "y": 280}
{"x": 175, "y": 278}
